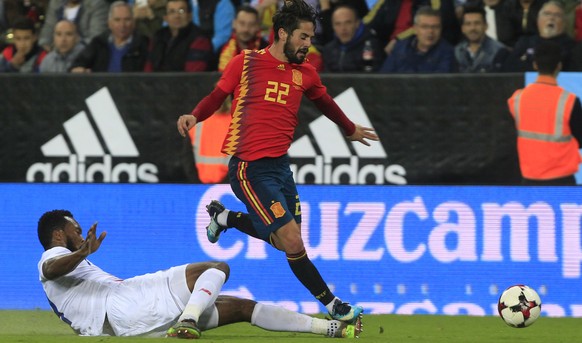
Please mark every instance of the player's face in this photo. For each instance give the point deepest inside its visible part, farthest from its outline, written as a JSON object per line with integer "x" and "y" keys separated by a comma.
{"x": 73, "y": 234}
{"x": 298, "y": 43}
{"x": 246, "y": 26}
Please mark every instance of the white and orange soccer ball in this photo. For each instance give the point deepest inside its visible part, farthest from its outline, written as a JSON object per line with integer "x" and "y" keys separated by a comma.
{"x": 519, "y": 306}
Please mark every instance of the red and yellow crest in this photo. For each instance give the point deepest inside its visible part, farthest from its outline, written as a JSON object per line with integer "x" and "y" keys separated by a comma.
{"x": 277, "y": 210}
{"x": 297, "y": 77}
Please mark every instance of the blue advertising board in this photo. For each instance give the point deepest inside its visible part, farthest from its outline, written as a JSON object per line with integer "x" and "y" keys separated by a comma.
{"x": 393, "y": 249}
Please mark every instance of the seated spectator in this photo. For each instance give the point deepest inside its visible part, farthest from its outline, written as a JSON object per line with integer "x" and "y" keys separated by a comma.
{"x": 24, "y": 55}
{"x": 89, "y": 15}
{"x": 327, "y": 8}
{"x": 498, "y": 24}
{"x": 245, "y": 35}
{"x": 551, "y": 27}
{"x": 149, "y": 15}
{"x": 478, "y": 53}
{"x": 425, "y": 52}
{"x": 214, "y": 18}
{"x": 354, "y": 48}
{"x": 181, "y": 46}
{"x": 522, "y": 16}
{"x": 121, "y": 49}
{"x": 392, "y": 20}
{"x": 67, "y": 47}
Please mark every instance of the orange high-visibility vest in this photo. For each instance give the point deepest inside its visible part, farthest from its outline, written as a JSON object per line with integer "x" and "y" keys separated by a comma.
{"x": 545, "y": 145}
{"x": 207, "y": 138}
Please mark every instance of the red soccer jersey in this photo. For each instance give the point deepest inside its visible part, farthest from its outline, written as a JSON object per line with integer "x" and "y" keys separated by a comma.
{"x": 267, "y": 95}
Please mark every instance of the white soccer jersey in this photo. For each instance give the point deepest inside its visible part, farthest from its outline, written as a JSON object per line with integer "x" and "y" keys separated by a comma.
{"x": 70, "y": 295}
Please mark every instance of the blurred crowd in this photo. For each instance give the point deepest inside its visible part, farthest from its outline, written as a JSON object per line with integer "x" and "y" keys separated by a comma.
{"x": 352, "y": 36}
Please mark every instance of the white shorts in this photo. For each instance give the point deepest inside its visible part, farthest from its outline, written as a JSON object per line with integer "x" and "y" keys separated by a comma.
{"x": 147, "y": 304}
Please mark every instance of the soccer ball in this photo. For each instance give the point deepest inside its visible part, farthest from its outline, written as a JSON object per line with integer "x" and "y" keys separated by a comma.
{"x": 519, "y": 306}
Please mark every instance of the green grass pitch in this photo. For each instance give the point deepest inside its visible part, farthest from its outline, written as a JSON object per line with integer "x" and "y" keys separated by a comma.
{"x": 44, "y": 327}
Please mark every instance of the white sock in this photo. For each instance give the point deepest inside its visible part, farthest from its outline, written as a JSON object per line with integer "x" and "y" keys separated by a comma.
{"x": 204, "y": 294}
{"x": 222, "y": 217}
{"x": 329, "y": 306}
{"x": 276, "y": 318}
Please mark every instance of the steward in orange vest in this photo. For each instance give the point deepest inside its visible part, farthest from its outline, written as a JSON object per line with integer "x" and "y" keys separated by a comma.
{"x": 207, "y": 138}
{"x": 549, "y": 124}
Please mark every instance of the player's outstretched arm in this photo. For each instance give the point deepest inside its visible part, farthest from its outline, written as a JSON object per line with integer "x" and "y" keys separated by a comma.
{"x": 64, "y": 264}
{"x": 362, "y": 133}
{"x": 203, "y": 110}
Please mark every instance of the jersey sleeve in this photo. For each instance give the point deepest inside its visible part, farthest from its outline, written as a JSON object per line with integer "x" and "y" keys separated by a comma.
{"x": 47, "y": 255}
{"x": 316, "y": 89}
{"x": 232, "y": 73}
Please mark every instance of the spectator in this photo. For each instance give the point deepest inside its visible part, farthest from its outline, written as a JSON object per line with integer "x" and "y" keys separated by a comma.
{"x": 121, "y": 49}
{"x": 245, "y": 35}
{"x": 328, "y": 7}
{"x": 67, "y": 47}
{"x": 478, "y": 53}
{"x": 24, "y": 55}
{"x": 392, "y": 20}
{"x": 89, "y": 15}
{"x": 354, "y": 48}
{"x": 149, "y": 15}
{"x": 498, "y": 24}
{"x": 551, "y": 27}
{"x": 522, "y": 15}
{"x": 181, "y": 46}
{"x": 425, "y": 52}
{"x": 214, "y": 17}
{"x": 548, "y": 120}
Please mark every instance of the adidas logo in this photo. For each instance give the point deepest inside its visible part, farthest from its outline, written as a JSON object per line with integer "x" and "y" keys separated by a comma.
{"x": 86, "y": 144}
{"x": 333, "y": 146}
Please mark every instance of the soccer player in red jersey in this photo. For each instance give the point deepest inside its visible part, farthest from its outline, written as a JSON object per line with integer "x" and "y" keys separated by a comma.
{"x": 268, "y": 85}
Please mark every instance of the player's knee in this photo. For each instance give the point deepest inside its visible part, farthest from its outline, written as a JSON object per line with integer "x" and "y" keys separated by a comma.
{"x": 222, "y": 266}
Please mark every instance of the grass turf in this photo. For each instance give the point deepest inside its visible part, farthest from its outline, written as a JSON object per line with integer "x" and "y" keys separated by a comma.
{"x": 44, "y": 326}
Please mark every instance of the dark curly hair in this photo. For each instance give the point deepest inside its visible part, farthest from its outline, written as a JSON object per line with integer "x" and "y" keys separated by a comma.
{"x": 49, "y": 222}
{"x": 291, "y": 14}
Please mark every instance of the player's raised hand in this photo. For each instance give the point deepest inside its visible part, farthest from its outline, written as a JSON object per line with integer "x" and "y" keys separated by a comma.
{"x": 185, "y": 123}
{"x": 92, "y": 243}
{"x": 363, "y": 133}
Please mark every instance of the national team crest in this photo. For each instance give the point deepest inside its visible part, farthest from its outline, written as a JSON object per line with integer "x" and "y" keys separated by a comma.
{"x": 277, "y": 210}
{"x": 297, "y": 77}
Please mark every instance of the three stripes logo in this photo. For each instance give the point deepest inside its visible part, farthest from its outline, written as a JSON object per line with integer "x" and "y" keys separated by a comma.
{"x": 81, "y": 136}
{"x": 334, "y": 147}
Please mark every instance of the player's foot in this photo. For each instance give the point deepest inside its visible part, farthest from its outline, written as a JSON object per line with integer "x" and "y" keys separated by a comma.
{"x": 339, "y": 329}
{"x": 186, "y": 328}
{"x": 345, "y": 312}
{"x": 213, "y": 230}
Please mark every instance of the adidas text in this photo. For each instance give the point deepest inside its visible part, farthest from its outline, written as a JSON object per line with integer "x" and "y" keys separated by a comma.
{"x": 78, "y": 171}
{"x": 325, "y": 173}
